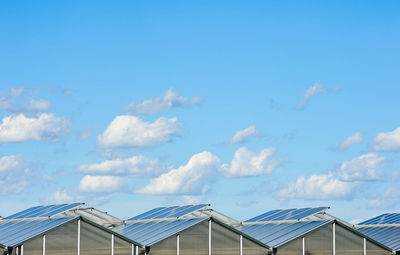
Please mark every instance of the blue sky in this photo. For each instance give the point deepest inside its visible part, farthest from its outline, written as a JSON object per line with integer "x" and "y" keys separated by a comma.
{"x": 247, "y": 105}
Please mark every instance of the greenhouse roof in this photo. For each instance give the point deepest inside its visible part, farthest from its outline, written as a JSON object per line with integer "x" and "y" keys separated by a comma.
{"x": 288, "y": 214}
{"x": 277, "y": 227}
{"x": 44, "y": 211}
{"x": 384, "y": 228}
{"x": 14, "y": 232}
{"x": 275, "y": 235}
{"x": 149, "y": 233}
{"x": 169, "y": 212}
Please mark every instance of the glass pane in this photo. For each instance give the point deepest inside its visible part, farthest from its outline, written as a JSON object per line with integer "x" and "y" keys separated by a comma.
{"x": 94, "y": 241}
{"x": 194, "y": 241}
{"x": 224, "y": 241}
{"x": 34, "y": 246}
{"x": 348, "y": 243}
{"x": 165, "y": 247}
{"x": 294, "y": 247}
{"x": 251, "y": 248}
{"x": 122, "y": 247}
{"x": 373, "y": 249}
{"x": 63, "y": 240}
{"x": 320, "y": 241}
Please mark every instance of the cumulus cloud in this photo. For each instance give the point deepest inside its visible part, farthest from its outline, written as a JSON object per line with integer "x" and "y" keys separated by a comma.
{"x": 389, "y": 199}
{"x": 18, "y": 100}
{"x": 59, "y": 197}
{"x": 243, "y": 135}
{"x": 366, "y": 167}
{"x": 356, "y": 138}
{"x": 323, "y": 186}
{"x": 131, "y": 131}
{"x": 136, "y": 166}
{"x": 389, "y": 141}
{"x": 248, "y": 163}
{"x": 189, "y": 179}
{"x": 312, "y": 91}
{"x": 169, "y": 100}
{"x": 19, "y": 128}
{"x": 93, "y": 183}
{"x": 15, "y": 174}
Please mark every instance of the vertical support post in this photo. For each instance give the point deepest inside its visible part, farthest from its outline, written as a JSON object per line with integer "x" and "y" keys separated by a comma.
{"x": 209, "y": 237}
{"x": 44, "y": 245}
{"x": 22, "y": 249}
{"x": 177, "y": 245}
{"x": 132, "y": 249}
{"x": 241, "y": 245}
{"x": 365, "y": 246}
{"x": 79, "y": 237}
{"x": 304, "y": 245}
{"x": 17, "y": 250}
{"x": 112, "y": 244}
{"x": 334, "y": 238}
{"x": 136, "y": 250}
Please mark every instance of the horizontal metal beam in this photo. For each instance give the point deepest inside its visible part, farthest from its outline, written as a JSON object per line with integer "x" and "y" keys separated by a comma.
{"x": 377, "y": 225}
{"x": 275, "y": 222}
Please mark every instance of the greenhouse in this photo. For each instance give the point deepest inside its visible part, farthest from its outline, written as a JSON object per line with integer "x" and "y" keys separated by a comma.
{"x": 310, "y": 231}
{"x": 384, "y": 228}
{"x": 61, "y": 230}
{"x": 189, "y": 230}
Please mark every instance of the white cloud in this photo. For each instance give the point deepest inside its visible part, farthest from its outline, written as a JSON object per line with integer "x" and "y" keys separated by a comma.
{"x": 319, "y": 187}
{"x": 137, "y": 166}
{"x": 189, "y": 179}
{"x": 168, "y": 100}
{"x": 15, "y": 174}
{"x": 92, "y": 183}
{"x": 247, "y": 163}
{"x": 19, "y": 128}
{"x": 356, "y": 138}
{"x": 131, "y": 131}
{"x": 363, "y": 168}
{"x": 389, "y": 199}
{"x": 389, "y": 141}
{"x": 19, "y": 100}
{"x": 311, "y": 91}
{"x": 59, "y": 197}
{"x": 243, "y": 135}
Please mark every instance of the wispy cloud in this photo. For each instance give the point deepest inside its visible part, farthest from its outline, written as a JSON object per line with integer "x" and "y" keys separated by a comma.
{"x": 337, "y": 184}
{"x": 16, "y": 174}
{"x": 389, "y": 141}
{"x": 367, "y": 167}
{"x": 19, "y": 100}
{"x": 312, "y": 91}
{"x": 356, "y": 138}
{"x": 136, "y": 166}
{"x": 19, "y": 128}
{"x": 169, "y": 100}
{"x": 131, "y": 131}
{"x": 243, "y": 135}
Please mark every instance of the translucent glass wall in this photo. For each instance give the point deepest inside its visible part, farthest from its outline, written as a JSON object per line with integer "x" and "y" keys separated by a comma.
{"x": 62, "y": 240}
{"x": 348, "y": 243}
{"x": 194, "y": 241}
{"x": 94, "y": 241}
{"x": 224, "y": 241}
{"x": 294, "y": 247}
{"x": 251, "y": 248}
{"x": 122, "y": 247}
{"x": 373, "y": 249}
{"x": 34, "y": 246}
{"x": 165, "y": 247}
{"x": 319, "y": 241}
